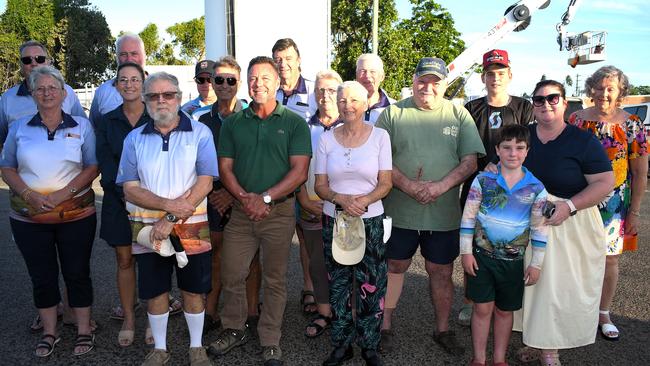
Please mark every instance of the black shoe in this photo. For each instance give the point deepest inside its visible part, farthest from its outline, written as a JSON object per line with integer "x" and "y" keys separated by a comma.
{"x": 339, "y": 355}
{"x": 372, "y": 357}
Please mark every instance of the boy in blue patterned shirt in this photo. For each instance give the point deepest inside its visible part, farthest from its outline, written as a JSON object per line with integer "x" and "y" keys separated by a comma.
{"x": 503, "y": 213}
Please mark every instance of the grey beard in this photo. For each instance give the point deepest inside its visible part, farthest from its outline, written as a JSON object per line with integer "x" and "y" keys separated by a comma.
{"x": 163, "y": 119}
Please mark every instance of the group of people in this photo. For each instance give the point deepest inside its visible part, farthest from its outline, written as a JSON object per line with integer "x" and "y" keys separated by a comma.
{"x": 363, "y": 180}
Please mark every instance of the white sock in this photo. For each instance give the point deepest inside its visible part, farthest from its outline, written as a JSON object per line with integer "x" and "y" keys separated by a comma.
{"x": 195, "y": 326}
{"x": 158, "y": 325}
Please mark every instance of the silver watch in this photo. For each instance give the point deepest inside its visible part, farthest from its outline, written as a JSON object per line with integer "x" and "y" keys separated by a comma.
{"x": 266, "y": 197}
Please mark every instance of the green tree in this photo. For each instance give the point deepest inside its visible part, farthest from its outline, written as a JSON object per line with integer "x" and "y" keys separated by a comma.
{"x": 190, "y": 38}
{"x": 429, "y": 32}
{"x": 9, "y": 63}
{"x": 152, "y": 42}
{"x": 568, "y": 81}
{"x": 639, "y": 90}
{"x": 86, "y": 42}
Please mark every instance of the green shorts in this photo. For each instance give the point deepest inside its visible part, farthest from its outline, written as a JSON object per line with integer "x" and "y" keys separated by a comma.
{"x": 501, "y": 281}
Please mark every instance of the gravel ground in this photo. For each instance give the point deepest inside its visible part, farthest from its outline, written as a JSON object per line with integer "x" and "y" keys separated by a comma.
{"x": 413, "y": 323}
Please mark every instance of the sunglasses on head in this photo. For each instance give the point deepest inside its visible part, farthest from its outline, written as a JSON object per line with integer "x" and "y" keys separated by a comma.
{"x": 552, "y": 99}
{"x": 202, "y": 79}
{"x": 27, "y": 60}
{"x": 220, "y": 79}
{"x": 154, "y": 97}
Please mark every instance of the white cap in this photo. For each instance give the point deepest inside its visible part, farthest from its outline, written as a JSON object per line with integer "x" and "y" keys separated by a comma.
{"x": 159, "y": 247}
{"x": 348, "y": 240}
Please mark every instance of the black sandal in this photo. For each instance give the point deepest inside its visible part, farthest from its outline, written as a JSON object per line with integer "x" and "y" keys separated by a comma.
{"x": 319, "y": 328}
{"x": 84, "y": 340}
{"x": 43, "y": 344}
{"x": 307, "y": 304}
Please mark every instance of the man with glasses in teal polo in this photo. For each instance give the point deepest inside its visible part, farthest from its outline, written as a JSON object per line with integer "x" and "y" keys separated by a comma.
{"x": 17, "y": 101}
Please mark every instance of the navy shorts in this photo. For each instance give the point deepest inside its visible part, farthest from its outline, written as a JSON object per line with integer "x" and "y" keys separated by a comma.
{"x": 439, "y": 247}
{"x": 155, "y": 274}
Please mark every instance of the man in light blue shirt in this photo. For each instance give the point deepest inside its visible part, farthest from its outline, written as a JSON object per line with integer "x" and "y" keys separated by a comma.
{"x": 129, "y": 48}
{"x": 17, "y": 102}
{"x": 296, "y": 93}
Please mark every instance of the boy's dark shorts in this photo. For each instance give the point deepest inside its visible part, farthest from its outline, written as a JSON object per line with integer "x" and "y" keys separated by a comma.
{"x": 439, "y": 247}
{"x": 497, "y": 280}
{"x": 155, "y": 274}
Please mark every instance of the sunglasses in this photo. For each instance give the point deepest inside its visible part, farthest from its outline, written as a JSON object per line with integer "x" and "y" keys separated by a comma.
{"x": 201, "y": 79}
{"x": 220, "y": 79}
{"x": 552, "y": 99}
{"x": 27, "y": 60}
{"x": 154, "y": 97}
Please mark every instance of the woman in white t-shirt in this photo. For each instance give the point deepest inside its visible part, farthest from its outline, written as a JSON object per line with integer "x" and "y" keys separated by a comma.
{"x": 353, "y": 174}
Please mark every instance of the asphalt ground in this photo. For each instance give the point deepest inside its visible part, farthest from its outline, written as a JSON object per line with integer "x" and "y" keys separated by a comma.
{"x": 413, "y": 320}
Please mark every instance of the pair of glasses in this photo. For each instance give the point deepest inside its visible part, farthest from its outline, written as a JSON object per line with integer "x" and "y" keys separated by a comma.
{"x": 154, "y": 97}
{"x": 220, "y": 79}
{"x": 27, "y": 60}
{"x": 327, "y": 91}
{"x": 202, "y": 79}
{"x": 552, "y": 99}
{"x": 133, "y": 80}
{"x": 43, "y": 90}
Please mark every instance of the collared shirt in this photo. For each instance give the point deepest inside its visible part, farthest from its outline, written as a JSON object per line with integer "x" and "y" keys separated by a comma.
{"x": 502, "y": 220}
{"x": 47, "y": 161}
{"x": 190, "y": 106}
{"x": 209, "y": 115}
{"x": 17, "y": 102}
{"x": 373, "y": 112}
{"x": 261, "y": 148}
{"x": 167, "y": 166}
{"x": 105, "y": 100}
{"x": 111, "y": 130}
{"x": 301, "y": 100}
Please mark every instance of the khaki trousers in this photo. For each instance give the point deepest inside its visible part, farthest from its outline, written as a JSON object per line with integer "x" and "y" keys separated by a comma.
{"x": 242, "y": 239}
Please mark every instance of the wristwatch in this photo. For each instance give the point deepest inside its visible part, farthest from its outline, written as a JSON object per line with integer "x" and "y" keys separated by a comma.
{"x": 171, "y": 218}
{"x": 266, "y": 197}
{"x": 572, "y": 207}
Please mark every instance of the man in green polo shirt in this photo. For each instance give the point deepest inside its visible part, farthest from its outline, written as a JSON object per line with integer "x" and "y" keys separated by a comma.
{"x": 435, "y": 145}
{"x": 264, "y": 154}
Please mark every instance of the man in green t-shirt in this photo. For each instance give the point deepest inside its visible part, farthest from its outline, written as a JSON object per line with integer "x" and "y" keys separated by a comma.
{"x": 435, "y": 145}
{"x": 264, "y": 154}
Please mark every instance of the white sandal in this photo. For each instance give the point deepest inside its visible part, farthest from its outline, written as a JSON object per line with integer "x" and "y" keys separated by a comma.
{"x": 608, "y": 330}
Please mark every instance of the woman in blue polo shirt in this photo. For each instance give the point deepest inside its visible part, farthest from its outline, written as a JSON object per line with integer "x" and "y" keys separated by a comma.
{"x": 49, "y": 163}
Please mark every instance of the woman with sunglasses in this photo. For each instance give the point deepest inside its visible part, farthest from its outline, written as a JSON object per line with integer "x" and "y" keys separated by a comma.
{"x": 111, "y": 130}
{"x": 49, "y": 163}
{"x": 225, "y": 83}
{"x": 624, "y": 140}
{"x": 561, "y": 310}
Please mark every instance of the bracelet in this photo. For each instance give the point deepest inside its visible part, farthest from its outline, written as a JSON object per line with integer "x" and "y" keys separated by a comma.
{"x": 635, "y": 213}
{"x": 333, "y": 200}
{"x": 27, "y": 194}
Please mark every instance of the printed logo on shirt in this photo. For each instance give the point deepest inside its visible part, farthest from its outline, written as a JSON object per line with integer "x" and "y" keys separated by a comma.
{"x": 495, "y": 120}
{"x": 450, "y": 131}
{"x": 281, "y": 132}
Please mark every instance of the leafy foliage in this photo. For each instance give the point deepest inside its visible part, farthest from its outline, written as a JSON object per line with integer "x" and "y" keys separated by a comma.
{"x": 429, "y": 32}
{"x": 75, "y": 34}
{"x": 152, "y": 41}
{"x": 639, "y": 90}
{"x": 190, "y": 38}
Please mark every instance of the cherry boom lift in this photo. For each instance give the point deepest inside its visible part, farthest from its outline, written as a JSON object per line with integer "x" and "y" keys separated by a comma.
{"x": 587, "y": 47}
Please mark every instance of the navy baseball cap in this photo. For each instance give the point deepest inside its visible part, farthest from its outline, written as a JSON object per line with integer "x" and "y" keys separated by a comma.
{"x": 431, "y": 66}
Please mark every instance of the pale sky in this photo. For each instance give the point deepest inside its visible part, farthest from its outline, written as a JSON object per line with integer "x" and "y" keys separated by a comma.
{"x": 533, "y": 52}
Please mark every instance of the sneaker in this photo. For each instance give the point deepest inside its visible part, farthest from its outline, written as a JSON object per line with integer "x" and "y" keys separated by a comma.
{"x": 198, "y": 357}
{"x": 272, "y": 356}
{"x": 227, "y": 340}
{"x": 465, "y": 315}
{"x": 447, "y": 340}
{"x": 156, "y": 357}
